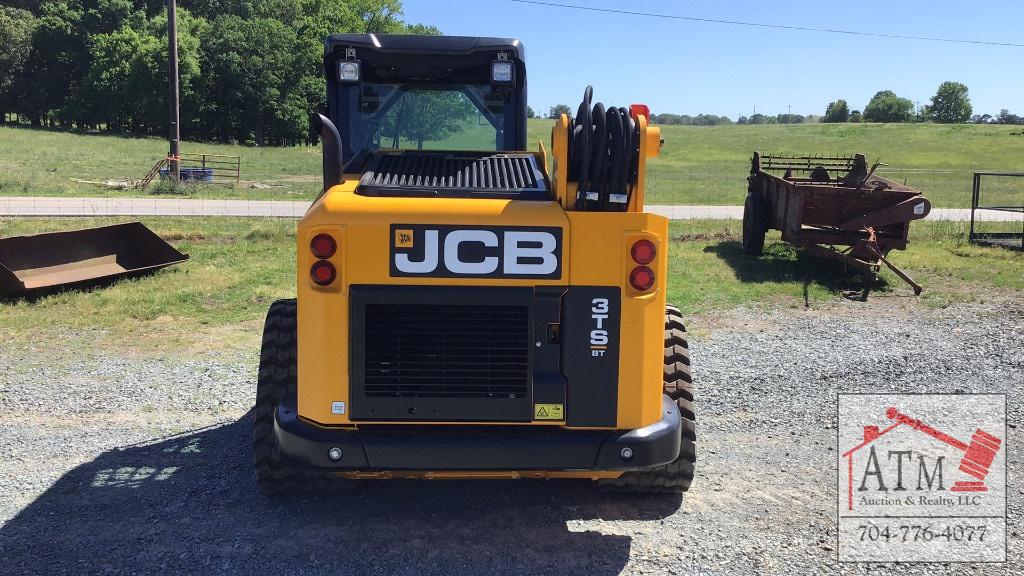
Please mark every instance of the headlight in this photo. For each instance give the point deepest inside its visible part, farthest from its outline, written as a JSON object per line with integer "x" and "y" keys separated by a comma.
{"x": 501, "y": 71}
{"x": 348, "y": 71}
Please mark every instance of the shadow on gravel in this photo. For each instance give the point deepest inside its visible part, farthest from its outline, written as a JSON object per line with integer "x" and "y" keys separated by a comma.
{"x": 782, "y": 262}
{"x": 189, "y": 504}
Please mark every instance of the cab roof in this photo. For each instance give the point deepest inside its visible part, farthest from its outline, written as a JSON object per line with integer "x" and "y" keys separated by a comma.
{"x": 446, "y": 45}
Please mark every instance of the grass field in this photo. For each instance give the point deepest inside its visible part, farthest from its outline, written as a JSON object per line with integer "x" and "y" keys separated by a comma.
{"x": 698, "y": 165}
{"x": 44, "y": 163}
{"x": 709, "y": 271}
{"x": 709, "y": 164}
{"x": 216, "y": 301}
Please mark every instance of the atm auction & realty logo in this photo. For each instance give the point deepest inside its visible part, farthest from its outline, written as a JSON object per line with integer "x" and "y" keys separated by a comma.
{"x": 922, "y": 477}
{"x": 975, "y": 463}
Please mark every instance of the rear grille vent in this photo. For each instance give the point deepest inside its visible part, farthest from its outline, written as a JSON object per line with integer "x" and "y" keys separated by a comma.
{"x": 454, "y": 175}
{"x": 446, "y": 351}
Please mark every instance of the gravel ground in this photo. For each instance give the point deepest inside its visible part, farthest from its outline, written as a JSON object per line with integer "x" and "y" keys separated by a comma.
{"x": 132, "y": 465}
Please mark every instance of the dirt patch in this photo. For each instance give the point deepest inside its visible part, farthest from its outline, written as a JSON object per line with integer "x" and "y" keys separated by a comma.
{"x": 305, "y": 178}
{"x": 705, "y": 236}
{"x": 896, "y": 305}
{"x": 175, "y": 236}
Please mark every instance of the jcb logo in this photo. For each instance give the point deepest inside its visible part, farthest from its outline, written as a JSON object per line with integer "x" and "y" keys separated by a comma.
{"x": 491, "y": 252}
{"x": 403, "y": 239}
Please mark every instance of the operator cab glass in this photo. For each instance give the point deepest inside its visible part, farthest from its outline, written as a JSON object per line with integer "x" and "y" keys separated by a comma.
{"x": 428, "y": 117}
{"x": 425, "y": 93}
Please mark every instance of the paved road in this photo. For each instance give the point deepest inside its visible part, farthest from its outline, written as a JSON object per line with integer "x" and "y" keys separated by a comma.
{"x": 43, "y": 206}
{"x": 52, "y": 206}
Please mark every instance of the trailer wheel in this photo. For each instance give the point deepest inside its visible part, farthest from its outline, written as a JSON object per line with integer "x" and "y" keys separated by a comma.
{"x": 276, "y": 380}
{"x": 677, "y": 475}
{"x": 755, "y": 224}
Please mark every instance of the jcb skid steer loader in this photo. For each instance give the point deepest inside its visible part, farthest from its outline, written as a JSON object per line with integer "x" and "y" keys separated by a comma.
{"x": 461, "y": 312}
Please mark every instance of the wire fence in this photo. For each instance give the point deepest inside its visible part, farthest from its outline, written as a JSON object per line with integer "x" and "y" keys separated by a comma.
{"x": 697, "y": 186}
{"x": 1001, "y": 194}
{"x": 683, "y": 192}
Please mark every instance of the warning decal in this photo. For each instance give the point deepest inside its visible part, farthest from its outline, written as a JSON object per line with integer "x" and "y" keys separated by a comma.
{"x": 548, "y": 412}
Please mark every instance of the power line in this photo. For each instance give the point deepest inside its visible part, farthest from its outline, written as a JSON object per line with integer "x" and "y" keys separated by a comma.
{"x": 772, "y": 26}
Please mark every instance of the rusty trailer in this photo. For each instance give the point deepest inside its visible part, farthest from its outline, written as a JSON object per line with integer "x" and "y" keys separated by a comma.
{"x": 831, "y": 206}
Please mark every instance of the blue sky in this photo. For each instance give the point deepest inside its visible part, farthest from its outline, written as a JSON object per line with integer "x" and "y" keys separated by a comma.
{"x": 690, "y": 68}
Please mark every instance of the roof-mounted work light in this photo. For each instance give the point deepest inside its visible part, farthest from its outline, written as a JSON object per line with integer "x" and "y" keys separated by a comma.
{"x": 502, "y": 72}
{"x": 348, "y": 71}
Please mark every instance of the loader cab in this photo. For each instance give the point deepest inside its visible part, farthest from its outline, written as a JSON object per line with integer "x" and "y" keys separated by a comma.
{"x": 390, "y": 92}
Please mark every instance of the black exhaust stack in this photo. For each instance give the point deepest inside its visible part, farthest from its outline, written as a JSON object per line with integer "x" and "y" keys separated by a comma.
{"x": 331, "y": 140}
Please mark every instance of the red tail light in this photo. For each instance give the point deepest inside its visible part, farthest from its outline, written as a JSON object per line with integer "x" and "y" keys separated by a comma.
{"x": 641, "y": 278}
{"x": 643, "y": 251}
{"x": 323, "y": 273}
{"x": 323, "y": 246}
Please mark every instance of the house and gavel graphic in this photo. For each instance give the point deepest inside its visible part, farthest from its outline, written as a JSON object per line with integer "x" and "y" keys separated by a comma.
{"x": 976, "y": 461}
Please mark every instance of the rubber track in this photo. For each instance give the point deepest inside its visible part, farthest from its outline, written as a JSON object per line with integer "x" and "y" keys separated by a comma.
{"x": 677, "y": 475}
{"x": 277, "y": 379}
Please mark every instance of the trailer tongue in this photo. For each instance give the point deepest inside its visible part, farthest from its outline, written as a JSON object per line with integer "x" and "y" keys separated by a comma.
{"x": 821, "y": 203}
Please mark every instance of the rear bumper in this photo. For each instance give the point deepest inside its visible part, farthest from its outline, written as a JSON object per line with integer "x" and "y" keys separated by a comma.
{"x": 446, "y": 447}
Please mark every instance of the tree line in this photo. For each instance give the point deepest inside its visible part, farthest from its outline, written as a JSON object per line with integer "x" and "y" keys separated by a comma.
{"x": 778, "y": 119}
{"x": 680, "y": 119}
{"x": 951, "y": 104}
{"x": 250, "y": 70}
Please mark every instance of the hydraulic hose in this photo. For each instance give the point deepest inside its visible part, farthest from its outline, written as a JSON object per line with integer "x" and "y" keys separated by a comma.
{"x": 579, "y": 142}
{"x": 603, "y": 156}
{"x": 594, "y": 183}
{"x": 631, "y": 151}
{"x": 616, "y": 157}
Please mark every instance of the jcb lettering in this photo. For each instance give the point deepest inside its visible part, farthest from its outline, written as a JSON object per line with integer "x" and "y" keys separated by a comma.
{"x": 426, "y": 265}
{"x": 449, "y": 252}
{"x": 454, "y": 240}
{"x": 524, "y": 249}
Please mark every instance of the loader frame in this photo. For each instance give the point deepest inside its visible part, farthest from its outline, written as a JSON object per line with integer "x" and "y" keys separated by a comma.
{"x": 470, "y": 314}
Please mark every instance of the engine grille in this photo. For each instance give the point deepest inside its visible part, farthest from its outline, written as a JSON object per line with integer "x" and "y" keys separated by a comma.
{"x": 446, "y": 351}
{"x": 453, "y": 175}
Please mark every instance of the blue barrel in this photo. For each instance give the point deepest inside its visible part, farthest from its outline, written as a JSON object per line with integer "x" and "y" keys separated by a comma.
{"x": 190, "y": 174}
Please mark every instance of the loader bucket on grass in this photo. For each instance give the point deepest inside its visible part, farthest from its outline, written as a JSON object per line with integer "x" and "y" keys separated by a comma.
{"x": 46, "y": 262}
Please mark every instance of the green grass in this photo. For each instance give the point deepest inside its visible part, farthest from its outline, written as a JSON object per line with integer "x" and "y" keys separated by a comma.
{"x": 45, "y": 163}
{"x": 709, "y": 164}
{"x": 216, "y": 301}
{"x": 237, "y": 267}
{"x": 698, "y": 165}
{"x": 709, "y": 270}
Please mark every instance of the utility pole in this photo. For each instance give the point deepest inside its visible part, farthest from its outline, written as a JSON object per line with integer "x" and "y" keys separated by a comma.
{"x": 789, "y": 113}
{"x": 172, "y": 82}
